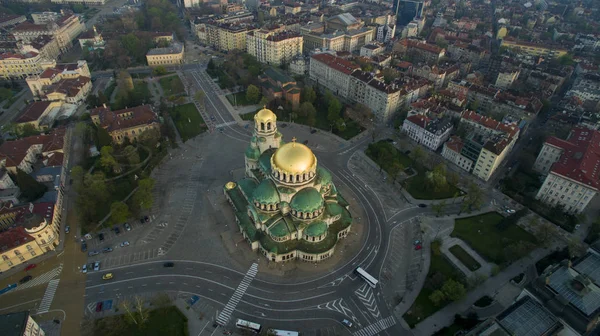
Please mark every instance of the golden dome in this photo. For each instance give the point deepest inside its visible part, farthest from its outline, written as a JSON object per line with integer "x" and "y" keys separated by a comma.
{"x": 230, "y": 185}
{"x": 294, "y": 158}
{"x": 265, "y": 115}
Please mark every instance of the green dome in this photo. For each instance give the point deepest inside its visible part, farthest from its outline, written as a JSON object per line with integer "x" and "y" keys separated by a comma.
{"x": 323, "y": 176}
{"x": 266, "y": 193}
{"x": 307, "y": 200}
{"x": 316, "y": 229}
{"x": 252, "y": 153}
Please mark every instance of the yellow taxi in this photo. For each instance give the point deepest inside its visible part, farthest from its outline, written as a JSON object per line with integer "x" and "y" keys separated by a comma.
{"x": 107, "y": 276}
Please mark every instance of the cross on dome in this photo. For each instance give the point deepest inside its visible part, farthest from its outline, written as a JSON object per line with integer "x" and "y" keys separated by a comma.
{"x": 294, "y": 141}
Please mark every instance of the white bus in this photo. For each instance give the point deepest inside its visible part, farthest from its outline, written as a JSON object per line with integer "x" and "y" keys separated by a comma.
{"x": 242, "y": 324}
{"x": 366, "y": 276}
{"x": 276, "y": 332}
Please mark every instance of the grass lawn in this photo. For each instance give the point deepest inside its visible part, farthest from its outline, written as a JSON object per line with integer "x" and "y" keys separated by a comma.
{"x": 188, "y": 121}
{"x": 240, "y": 99}
{"x": 414, "y": 186}
{"x": 163, "y": 321}
{"x": 171, "y": 85}
{"x": 464, "y": 257}
{"x": 481, "y": 233}
{"x": 423, "y": 307}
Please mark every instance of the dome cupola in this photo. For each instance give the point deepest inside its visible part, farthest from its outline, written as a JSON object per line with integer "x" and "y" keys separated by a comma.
{"x": 293, "y": 163}
{"x": 307, "y": 204}
{"x": 265, "y": 197}
{"x": 265, "y": 122}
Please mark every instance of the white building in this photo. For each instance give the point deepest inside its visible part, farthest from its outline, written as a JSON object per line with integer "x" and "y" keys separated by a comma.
{"x": 452, "y": 152}
{"x": 332, "y": 72}
{"x": 572, "y": 168}
{"x": 371, "y": 50}
{"x": 274, "y": 48}
{"x": 430, "y": 132}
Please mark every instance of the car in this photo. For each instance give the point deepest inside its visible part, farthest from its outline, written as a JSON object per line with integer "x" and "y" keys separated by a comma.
{"x": 107, "y": 276}
{"x": 510, "y": 211}
{"x": 97, "y": 266}
{"x": 347, "y": 323}
{"x": 84, "y": 269}
{"x": 107, "y": 249}
{"x": 83, "y": 247}
{"x": 127, "y": 227}
{"x": 67, "y": 229}
{"x": 99, "y": 307}
{"x": 418, "y": 247}
{"x": 146, "y": 219}
{"x": 125, "y": 243}
{"x": 30, "y": 267}
{"x": 212, "y": 117}
{"x": 313, "y": 131}
{"x": 117, "y": 231}
{"x": 577, "y": 227}
{"x": 417, "y": 242}
{"x": 422, "y": 205}
{"x": 93, "y": 253}
{"x": 169, "y": 264}
{"x": 25, "y": 279}
{"x": 101, "y": 236}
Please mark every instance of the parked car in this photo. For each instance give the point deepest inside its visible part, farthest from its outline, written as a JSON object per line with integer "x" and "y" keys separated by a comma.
{"x": 127, "y": 227}
{"x": 418, "y": 247}
{"x": 169, "y": 264}
{"x": 83, "y": 246}
{"x": 97, "y": 266}
{"x": 25, "y": 279}
{"x": 107, "y": 249}
{"x": 422, "y": 205}
{"x": 84, "y": 268}
{"x": 313, "y": 131}
{"x": 347, "y": 323}
{"x": 107, "y": 276}
{"x": 93, "y": 253}
{"x": 417, "y": 242}
{"x": 101, "y": 236}
{"x": 117, "y": 231}
{"x": 99, "y": 307}
{"x": 125, "y": 243}
{"x": 146, "y": 219}
{"x": 30, "y": 267}
{"x": 510, "y": 211}
{"x": 67, "y": 229}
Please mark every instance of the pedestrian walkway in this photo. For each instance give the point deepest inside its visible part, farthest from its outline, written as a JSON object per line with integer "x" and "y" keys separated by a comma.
{"x": 48, "y": 296}
{"x": 237, "y": 295}
{"x": 41, "y": 279}
{"x": 376, "y": 327}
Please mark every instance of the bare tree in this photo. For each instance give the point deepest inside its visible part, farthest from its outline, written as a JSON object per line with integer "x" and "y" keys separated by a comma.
{"x": 142, "y": 312}
{"x": 126, "y": 305}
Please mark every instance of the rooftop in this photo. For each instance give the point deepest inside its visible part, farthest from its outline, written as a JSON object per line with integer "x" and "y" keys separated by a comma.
{"x": 13, "y": 324}
{"x": 527, "y": 317}
{"x": 487, "y": 122}
{"x": 33, "y": 111}
{"x": 575, "y": 289}
{"x": 15, "y": 151}
{"x": 125, "y": 118}
{"x": 336, "y": 63}
{"x": 174, "y": 48}
{"x": 11, "y": 238}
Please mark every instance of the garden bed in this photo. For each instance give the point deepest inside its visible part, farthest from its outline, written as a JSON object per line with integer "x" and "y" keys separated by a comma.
{"x": 464, "y": 257}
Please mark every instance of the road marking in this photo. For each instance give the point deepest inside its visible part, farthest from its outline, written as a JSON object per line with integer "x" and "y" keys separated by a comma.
{"x": 376, "y": 327}
{"x": 237, "y": 295}
{"x": 365, "y": 295}
{"x": 48, "y": 296}
{"x": 41, "y": 279}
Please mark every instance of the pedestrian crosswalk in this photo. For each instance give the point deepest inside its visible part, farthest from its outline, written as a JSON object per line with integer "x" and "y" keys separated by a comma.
{"x": 237, "y": 295}
{"x": 376, "y": 327}
{"x": 41, "y": 279}
{"x": 48, "y": 296}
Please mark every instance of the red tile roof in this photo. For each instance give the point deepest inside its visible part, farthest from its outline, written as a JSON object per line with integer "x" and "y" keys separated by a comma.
{"x": 419, "y": 120}
{"x": 33, "y": 111}
{"x": 28, "y": 26}
{"x": 336, "y": 63}
{"x": 14, "y": 237}
{"x": 455, "y": 143}
{"x": 580, "y": 159}
{"x": 15, "y": 151}
{"x": 69, "y": 86}
{"x": 490, "y": 123}
{"x": 116, "y": 120}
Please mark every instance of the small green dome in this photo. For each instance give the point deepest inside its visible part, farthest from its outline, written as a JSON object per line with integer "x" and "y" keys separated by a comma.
{"x": 266, "y": 193}
{"x": 323, "y": 176}
{"x": 307, "y": 200}
{"x": 316, "y": 229}
{"x": 252, "y": 153}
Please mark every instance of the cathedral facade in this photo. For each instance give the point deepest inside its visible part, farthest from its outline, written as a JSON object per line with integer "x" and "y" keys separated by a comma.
{"x": 286, "y": 207}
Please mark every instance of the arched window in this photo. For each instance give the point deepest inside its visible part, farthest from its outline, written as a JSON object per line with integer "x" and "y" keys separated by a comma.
{"x": 262, "y": 126}
{"x": 269, "y": 126}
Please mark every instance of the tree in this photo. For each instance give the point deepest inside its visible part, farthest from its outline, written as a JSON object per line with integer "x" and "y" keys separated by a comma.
{"x": 437, "y": 297}
{"x": 159, "y": 70}
{"x": 389, "y": 74}
{"x": 252, "y": 94}
{"x": 27, "y": 130}
{"x": 102, "y": 137}
{"x": 311, "y": 118}
{"x": 5, "y": 94}
{"x": 436, "y": 179}
{"x": 418, "y": 154}
{"x": 340, "y": 124}
{"x": 119, "y": 212}
{"x": 453, "y": 290}
{"x": 384, "y": 156}
{"x": 473, "y": 199}
{"x": 576, "y": 248}
{"x": 363, "y": 113}
{"x": 306, "y": 109}
{"x": 395, "y": 170}
{"x": 132, "y": 155}
{"x": 107, "y": 160}
{"x": 30, "y": 188}
{"x": 149, "y": 138}
{"x": 264, "y": 101}
{"x": 143, "y": 196}
{"x": 309, "y": 95}
{"x": 438, "y": 208}
{"x": 333, "y": 111}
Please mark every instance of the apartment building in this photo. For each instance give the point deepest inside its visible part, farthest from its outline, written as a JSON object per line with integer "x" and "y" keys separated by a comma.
{"x": 224, "y": 36}
{"x": 332, "y": 72}
{"x": 39, "y": 114}
{"x": 18, "y": 66}
{"x": 126, "y": 123}
{"x": 25, "y": 153}
{"x": 371, "y": 50}
{"x": 571, "y": 169}
{"x": 171, "y": 55}
{"x": 65, "y": 29}
{"x": 21, "y": 323}
{"x": 586, "y": 88}
{"x": 274, "y": 48}
{"x": 440, "y": 74}
{"x": 432, "y": 133}
{"x": 7, "y": 20}
{"x": 32, "y": 237}
{"x": 45, "y": 45}
{"x": 506, "y": 78}
{"x": 338, "y": 40}
{"x": 69, "y": 83}
{"x": 453, "y": 152}
{"x": 534, "y": 49}
{"x": 429, "y": 53}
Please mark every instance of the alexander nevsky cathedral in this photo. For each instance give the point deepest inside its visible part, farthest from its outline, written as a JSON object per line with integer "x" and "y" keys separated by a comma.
{"x": 286, "y": 207}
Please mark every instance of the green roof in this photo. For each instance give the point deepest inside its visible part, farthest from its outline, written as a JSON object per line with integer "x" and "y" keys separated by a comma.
{"x": 278, "y": 76}
{"x": 323, "y": 176}
{"x": 280, "y": 229}
{"x": 252, "y": 152}
{"x": 246, "y": 224}
{"x": 316, "y": 229}
{"x": 333, "y": 209}
{"x": 307, "y": 200}
{"x": 238, "y": 200}
{"x": 286, "y": 190}
{"x": 247, "y": 185}
{"x": 266, "y": 193}
{"x": 265, "y": 160}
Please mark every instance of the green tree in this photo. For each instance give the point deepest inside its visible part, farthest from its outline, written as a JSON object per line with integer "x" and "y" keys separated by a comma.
{"x": 436, "y": 179}
{"x": 437, "y": 298}
{"x": 102, "y": 137}
{"x": 107, "y": 160}
{"x": 474, "y": 197}
{"x": 306, "y": 109}
{"x": 264, "y": 101}
{"x": 5, "y": 94}
{"x": 384, "y": 156}
{"x": 131, "y": 154}
{"x": 149, "y": 138}
{"x": 453, "y": 290}
{"x": 26, "y": 130}
{"x": 418, "y": 154}
{"x": 143, "y": 196}
{"x": 30, "y": 188}
{"x": 576, "y": 248}
{"x": 389, "y": 74}
{"x": 396, "y": 168}
{"x": 309, "y": 95}
{"x": 119, "y": 212}
{"x": 159, "y": 70}
{"x": 340, "y": 124}
{"x": 438, "y": 208}
{"x": 252, "y": 94}
{"x": 333, "y": 111}
{"x": 311, "y": 118}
